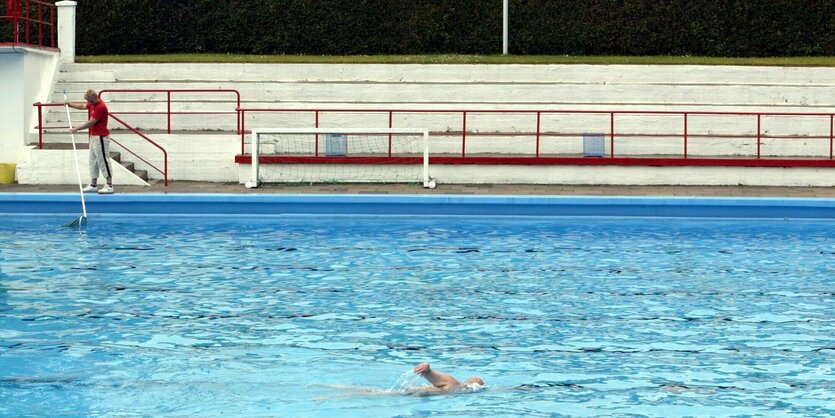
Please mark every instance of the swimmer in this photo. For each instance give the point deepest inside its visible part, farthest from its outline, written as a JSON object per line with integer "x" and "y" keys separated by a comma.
{"x": 440, "y": 383}
{"x": 445, "y": 383}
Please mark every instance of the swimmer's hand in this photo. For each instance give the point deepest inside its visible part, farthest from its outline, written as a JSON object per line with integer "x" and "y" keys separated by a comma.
{"x": 422, "y": 369}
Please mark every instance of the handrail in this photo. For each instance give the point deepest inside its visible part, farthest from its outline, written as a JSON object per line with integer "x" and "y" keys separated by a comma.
{"x": 686, "y": 134}
{"x": 536, "y": 131}
{"x": 164, "y": 172}
{"x": 40, "y": 126}
{"x": 168, "y": 102}
{"x": 31, "y": 13}
{"x": 164, "y": 152}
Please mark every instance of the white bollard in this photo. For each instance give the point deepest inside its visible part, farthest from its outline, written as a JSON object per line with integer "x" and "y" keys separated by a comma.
{"x": 66, "y": 29}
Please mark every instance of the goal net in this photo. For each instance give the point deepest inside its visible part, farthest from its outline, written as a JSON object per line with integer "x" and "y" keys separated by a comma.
{"x": 340, "y": 155}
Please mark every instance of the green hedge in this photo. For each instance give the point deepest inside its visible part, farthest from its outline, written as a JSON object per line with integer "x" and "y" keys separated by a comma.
{"x": 733, "y": 28}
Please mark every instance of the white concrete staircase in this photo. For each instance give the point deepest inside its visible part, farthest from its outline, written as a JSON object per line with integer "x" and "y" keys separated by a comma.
{"x": 539, "y": 87}
{"x": 202, "y": 147}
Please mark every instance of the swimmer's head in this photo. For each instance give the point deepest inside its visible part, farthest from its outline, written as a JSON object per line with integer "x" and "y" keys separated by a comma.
{"x": 474, "y": 381}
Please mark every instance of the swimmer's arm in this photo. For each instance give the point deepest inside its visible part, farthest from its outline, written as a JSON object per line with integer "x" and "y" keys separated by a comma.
{"x": 439, "y": 380}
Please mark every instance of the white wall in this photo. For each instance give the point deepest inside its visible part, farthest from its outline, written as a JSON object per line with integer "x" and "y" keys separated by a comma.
{"x": 12, "y": 126}
{"x": 26, "y": 76}
{"x": 208, "y": 157}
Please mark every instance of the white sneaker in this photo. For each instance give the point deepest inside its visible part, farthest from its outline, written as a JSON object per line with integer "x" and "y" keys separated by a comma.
{"x": 107, "y": 189}
{"x": 90, "y": 188}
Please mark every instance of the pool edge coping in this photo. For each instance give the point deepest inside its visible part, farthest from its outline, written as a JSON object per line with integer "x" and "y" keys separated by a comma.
{"x": 401, "y": 204}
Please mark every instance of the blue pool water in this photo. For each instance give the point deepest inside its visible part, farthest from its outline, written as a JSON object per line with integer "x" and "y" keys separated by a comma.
{"x": 280, "y": 316}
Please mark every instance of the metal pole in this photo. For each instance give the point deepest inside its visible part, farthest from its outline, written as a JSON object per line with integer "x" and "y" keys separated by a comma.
{"x": 685, "y": 134}
{"x": 612, "y": 134}
{"x": 504, "y": 26}
{"x": 464, "y": 136}
{"x": 169, "y": 112}
{"x": 538, "y": 124}
{"x": 759, "y": 134}
{"x": 40, "y": 130}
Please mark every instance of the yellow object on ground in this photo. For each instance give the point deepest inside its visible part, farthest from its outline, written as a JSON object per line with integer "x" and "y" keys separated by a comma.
{"x": 7, "y": 172}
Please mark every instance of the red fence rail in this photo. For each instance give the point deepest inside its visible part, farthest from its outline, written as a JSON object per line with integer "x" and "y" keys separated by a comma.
{"x": 164, "y": 171}
{"x": 535, "y": 132}
{"x": 683, "y": 135}
{"x": 32, "y": 20}
{"x": 169, "y": 112}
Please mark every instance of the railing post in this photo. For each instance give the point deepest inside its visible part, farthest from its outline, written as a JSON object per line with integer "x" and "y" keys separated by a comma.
{"x": 464, "y": 136}
{"x": 685, "y": 135}
{"x": 169, "y": 112}
{"x": 831, "y": 136}
{"x": 26, "y": 16}
{"x": 316, "y": 144}
{"x": 15, "y": 20}
{"x": 538, "y": 115}
{"x": 40, "y": 125}
{"x": 390, "y": 126}
{"x": 242, "y": 114}
{"x": 40, "y": 24}
{"x": 52, "y": 27}
{"x": 759, "y": 135}
{"x": 612, "y": 134}
{"x": 238, "y": 124}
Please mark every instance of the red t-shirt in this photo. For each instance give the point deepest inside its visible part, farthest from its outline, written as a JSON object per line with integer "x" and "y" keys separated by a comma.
{"x": 98, "y": 112}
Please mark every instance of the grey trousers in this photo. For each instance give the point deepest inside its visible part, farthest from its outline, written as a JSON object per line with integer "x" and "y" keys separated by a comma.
{"x": 100, "y": 157}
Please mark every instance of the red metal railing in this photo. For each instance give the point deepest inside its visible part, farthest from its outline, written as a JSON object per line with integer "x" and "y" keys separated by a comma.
{"x": 37, "y": 20}
{"x": 536, "y": 132}
{"x": 168, "y": 102}
{"x": 685, "y": 135}
{"x": 163, "y": 171}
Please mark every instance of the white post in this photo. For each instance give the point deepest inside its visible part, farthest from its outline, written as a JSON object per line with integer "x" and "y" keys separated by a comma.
{"x": 254, "y": 145}
{"x": 66, "y": 29}
{"x": 504, "y": 26}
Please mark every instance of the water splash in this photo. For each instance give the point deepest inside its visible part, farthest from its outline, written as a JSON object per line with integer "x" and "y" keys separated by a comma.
{"x": 407, "y": 380}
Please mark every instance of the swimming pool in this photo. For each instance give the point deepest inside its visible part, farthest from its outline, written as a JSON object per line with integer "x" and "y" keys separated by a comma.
{"x": 148, "y": 315}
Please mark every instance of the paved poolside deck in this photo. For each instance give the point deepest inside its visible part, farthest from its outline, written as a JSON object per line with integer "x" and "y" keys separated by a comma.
{"x": 483, "y": 189}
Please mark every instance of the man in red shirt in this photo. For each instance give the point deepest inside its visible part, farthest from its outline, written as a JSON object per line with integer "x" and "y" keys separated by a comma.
{"x": 99, "y": 140}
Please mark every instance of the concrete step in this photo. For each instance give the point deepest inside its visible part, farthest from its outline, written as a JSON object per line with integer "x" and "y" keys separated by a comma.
{"x": 62, "y": 145}
{"x": 143, "y": 174}
{"x": 114, "y": 155}
{"x": 228, "y": 73}
{"x": 533, "y": 93}
{"x": 512, "y": 87}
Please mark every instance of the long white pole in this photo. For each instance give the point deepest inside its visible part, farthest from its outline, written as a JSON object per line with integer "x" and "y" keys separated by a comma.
{"x": 504, "y": 26}
{"x": 75, "y": 154}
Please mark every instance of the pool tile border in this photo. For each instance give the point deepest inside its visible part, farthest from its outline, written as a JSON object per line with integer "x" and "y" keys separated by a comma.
{"x": 419, "y": 205}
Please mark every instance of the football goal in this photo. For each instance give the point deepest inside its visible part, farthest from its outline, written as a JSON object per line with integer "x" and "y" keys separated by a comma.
{"x": 340, "y": 155}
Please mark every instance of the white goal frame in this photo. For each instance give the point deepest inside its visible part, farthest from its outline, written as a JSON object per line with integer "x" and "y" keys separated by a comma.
{"x": 428, "y": 182}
